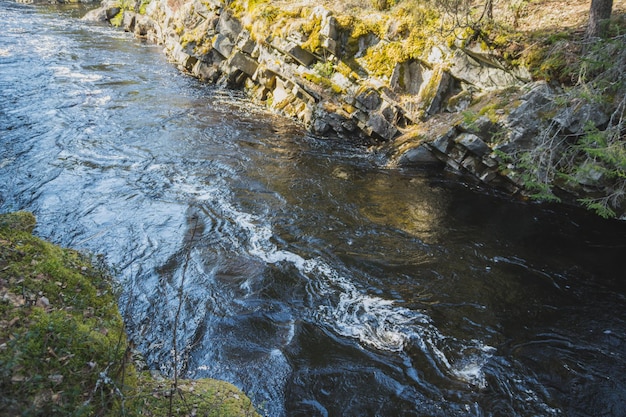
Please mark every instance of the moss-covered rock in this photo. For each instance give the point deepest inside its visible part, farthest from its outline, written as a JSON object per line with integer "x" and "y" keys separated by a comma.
{"x": 63, "y": 349}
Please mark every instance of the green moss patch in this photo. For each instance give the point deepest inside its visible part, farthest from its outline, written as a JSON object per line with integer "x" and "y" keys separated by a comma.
{"x": 62, "y": 342}
{"x": 63, "y": 349}
{"x": 201, "y": 397}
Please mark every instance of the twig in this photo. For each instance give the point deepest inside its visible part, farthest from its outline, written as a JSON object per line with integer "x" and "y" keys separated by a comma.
{"x": 177, "y": 317}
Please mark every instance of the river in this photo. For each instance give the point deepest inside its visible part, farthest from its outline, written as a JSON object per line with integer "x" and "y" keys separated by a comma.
{"x": 300, "y": 268}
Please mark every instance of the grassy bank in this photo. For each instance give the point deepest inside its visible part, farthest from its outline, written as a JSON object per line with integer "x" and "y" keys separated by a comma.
{"x": 63, "y": 349}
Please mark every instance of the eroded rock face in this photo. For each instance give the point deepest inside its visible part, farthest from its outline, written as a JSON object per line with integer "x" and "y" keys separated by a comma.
{"x": 207, "y": 39}
{"x": 296, "y": 72}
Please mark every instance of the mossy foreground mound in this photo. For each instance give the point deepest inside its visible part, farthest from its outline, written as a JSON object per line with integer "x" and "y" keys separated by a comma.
{"x": 63, "y": 350}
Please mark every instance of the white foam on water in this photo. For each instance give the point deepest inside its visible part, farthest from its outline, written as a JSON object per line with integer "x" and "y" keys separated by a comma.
{"x": 61, "y": 71}
{"x": 351, "y": 312}
{"x": 470, "y": 368}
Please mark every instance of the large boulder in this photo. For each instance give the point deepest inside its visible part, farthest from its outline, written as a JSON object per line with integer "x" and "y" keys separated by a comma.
{"x": 480, "y": 74}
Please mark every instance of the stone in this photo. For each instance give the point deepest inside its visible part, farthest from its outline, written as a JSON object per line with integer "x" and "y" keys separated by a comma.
{"x": 473, "y": 143}
{"x": 377, "y": 124}
{"x": 265, "y": 77}
{"x": 300, "y": 92}
{"x": 483, "y": 127}
{"x": 329, "y": 34}
{"x": 407, "y": 77}
{"x": 202, "y": 9}
{"x": 243, "y": 62}
{"x": 442, "y": 143}
{"x": 488, "y": 176}
{"x": 457, "y": 154}
{"x": 229, "y": 26}
{"x": 494, "y": 59}
{"x": 367, "y": 99}
{"x": 245, "y": 43}
{"x": 341, "y": 81}
{"x": 223, "y": 45}
{"x": 434, "y": 89}
{"x": 573, "y": 118}
{"x": 459, "y": 102}
{"x": 128, "y": 21}
{"x": 206, "y": 72}
{"x": 330, "y": 45}
{"x": 522, "y": 122}
{"x": 472, "y": 165}
{"x": 329, "y": 28}
{"x": 466, "y": 68}
{"x": 389, "y": 112}
{"x": 281, "y": 95}
{"x": 96, "y": 15}
{"x": 293, "y": 50}
{"x": 436, "y": 55}
{"x": 320, "y": 127}
{"x": 190, "y": 62}
{"x": 178, "y": 55}
{"x": 144, "y": 26}
{"x": 417, "y": 156}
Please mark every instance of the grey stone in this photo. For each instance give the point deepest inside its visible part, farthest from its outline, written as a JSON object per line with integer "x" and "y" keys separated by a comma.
{"x": 473, "y": 143}
{"x": 465, "y": 68}
{"x": 443, "y": 142}
{"x": 377, "y": 124}
{"x": 112, "y": 11}
{"x": 574, "y": 117}
{"x": 206, "y": 72}
{"x": 329, "y": 28}
{"x": 459, "y": 102}
{"x": 245, "y": 43}
{"x": 417, "y": 156}
{"x": 389, "y": 112}
{"x": 293, "y": 50}
{"x": 265, "y": 77}
{"x": 96, "y": 15}
{"x": 243, "y": 62}
{"x": 330, "y": 45}
{"x": 229, "y": 26}
{"x": 128, "y": 21}
{"x": 144, "y": 26}
{"x": 435, "y": 90}
{"x": 368, "y": 99}
{"x": 407, "y": 77}
{"x": 223, "y": 45}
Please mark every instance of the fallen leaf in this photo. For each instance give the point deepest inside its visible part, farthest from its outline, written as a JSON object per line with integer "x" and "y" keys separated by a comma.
{"x": 56, "y": 378}
{"x": 43, "y": 302}
{"x": 15, "y": 378}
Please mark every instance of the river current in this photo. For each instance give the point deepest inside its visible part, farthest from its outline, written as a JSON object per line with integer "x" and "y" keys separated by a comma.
{"x": 306, "y": 272}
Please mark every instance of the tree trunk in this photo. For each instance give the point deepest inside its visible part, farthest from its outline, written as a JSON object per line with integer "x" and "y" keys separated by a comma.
{"x": 599, "y": 14}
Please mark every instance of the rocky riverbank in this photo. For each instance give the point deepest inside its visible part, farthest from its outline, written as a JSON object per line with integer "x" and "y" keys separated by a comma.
{"x": 395, "y": 81}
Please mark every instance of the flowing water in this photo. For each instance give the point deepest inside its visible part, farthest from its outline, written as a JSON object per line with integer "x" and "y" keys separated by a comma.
{"x": 300, "y": 268}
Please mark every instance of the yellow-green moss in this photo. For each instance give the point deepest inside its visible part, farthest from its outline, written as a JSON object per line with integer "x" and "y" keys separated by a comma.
{"x": 323, "y": 82}
{"x": 380, "y": 60}
{"x": 118, "y": 19}
{"x": 201, "y": 397}
{"x": 312, "y": 29}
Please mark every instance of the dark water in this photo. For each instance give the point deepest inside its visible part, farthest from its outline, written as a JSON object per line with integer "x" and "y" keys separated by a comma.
{"x": 312, "y": 277}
